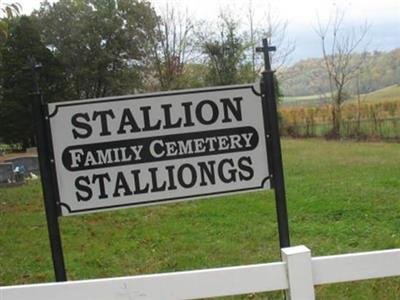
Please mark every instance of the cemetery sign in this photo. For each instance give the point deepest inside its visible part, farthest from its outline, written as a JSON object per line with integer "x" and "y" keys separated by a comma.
{"x": 109, "y": 153}
{"x": 145, "y": 149}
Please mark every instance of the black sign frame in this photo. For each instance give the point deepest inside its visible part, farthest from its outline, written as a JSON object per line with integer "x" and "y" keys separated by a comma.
{"x": 48, "y": 173}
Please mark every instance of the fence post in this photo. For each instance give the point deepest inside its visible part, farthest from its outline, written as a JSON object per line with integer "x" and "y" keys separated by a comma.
{"x": 299, "y": 272}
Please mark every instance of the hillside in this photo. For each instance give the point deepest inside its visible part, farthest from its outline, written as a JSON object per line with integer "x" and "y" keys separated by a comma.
{"x": 308, "y": 77}
{"x": 390, "y": 93}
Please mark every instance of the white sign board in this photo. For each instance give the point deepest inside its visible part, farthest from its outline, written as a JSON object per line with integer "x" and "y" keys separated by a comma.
{"x": 153, "y": 148}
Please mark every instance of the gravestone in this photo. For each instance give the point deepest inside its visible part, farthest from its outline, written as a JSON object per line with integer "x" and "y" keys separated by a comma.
{"x": 6, "y": 173}
{"x": 30, "y": 164}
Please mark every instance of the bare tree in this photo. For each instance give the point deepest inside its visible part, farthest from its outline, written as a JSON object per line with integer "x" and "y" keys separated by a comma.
{"x": 342, "y": 65}
{"x": 173, "y": 46}
{"x": 270, "y": 26}
{"x": 252, "y": 34}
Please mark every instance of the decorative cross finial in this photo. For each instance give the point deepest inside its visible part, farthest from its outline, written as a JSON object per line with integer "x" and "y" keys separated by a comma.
{"x": 266, "y": 49}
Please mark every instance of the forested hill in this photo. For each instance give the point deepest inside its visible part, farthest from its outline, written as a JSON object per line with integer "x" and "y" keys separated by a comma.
{"x": 308, "y": 77}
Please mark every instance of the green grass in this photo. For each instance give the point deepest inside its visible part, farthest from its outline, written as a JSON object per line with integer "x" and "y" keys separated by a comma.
{"x": 342, "y": 197}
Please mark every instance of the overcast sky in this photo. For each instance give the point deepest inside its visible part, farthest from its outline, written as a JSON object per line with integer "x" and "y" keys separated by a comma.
{"x": 383, "y": 15}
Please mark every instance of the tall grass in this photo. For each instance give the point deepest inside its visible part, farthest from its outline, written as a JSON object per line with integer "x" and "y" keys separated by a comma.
{"x": 365, "y": 120}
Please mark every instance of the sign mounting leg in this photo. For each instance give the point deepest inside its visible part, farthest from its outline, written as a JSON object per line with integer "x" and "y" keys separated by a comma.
{"x": 43, "y": 145}
{"x": 277, "y": 178}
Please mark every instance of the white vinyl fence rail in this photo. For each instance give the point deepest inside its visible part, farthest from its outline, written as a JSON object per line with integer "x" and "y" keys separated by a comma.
{"x": 297, "y": 273}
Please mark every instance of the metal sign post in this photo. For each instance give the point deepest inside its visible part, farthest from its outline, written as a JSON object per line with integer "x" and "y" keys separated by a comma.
{"x": 47, "y": 179}
{"x": 274, "y": 144}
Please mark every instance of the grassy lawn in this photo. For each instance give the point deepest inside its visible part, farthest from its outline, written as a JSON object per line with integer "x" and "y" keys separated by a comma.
{"x": 342, "y": 197}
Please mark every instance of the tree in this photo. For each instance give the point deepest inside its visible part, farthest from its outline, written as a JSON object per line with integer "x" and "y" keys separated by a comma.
{"x": 103, "y": 44}
{"x": 340, "y": 62}
{"x": 194, "y": 76}
{"x": 224, "y": 50}
{"x": 274, "y": 28}
{"x": 7, "y": 12}
{"x": 230, "y": 49}
{"x": 172, "y": 47}
{"x": 22, "y": 46}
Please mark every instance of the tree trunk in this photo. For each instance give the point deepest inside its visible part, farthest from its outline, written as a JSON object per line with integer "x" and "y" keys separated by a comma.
{"x": 336, "y": 118}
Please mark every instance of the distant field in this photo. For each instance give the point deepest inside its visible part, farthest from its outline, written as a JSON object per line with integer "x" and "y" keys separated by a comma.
{"x": 391, "y": 93}
{"x": 342, "y": 197}
{"x": 305, "y": 98}
{"x": 376, "y": 118}
{"x": 311, "y": 100}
